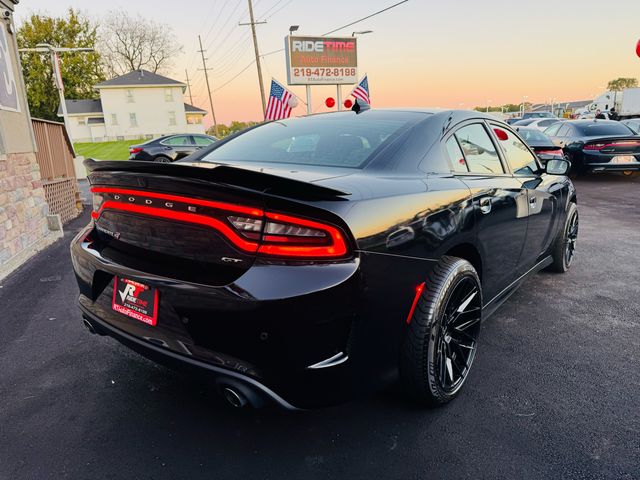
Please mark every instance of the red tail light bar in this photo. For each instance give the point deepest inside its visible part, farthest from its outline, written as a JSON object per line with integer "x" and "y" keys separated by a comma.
{"x": 133, "y": 150}
{"x": 248, "y": 228}
{"x": 600, "y": 146}
{"x": 557, "y": 151}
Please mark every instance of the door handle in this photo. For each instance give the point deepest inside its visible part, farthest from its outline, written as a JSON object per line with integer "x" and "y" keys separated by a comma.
{"x": 533, "y": 201}
{"x": 485, "y": 205}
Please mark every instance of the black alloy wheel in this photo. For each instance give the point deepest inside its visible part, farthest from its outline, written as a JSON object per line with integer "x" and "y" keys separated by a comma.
{"x": 564, "y": 246}
{"x": 571, "y": 237}
{"x": 458, "y": 335}
{"x": 442, "y": 336}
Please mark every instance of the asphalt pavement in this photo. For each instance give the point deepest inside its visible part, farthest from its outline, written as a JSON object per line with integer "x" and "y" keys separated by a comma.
{"x": 555, "y": 391}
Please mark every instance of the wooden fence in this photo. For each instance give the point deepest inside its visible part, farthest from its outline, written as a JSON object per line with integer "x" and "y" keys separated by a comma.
{"x": 55, "y": 158}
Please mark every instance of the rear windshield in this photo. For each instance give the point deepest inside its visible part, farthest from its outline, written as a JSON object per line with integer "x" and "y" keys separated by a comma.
{"x": 335, "y": 140}
{"x": 530, "y": 134}
{"x": 597, "y": 129}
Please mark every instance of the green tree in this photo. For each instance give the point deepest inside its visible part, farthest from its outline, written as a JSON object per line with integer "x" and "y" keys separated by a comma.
{"x": 226, "y": 130}
{"x": 621, "y": 83}
{"x": 80, "y": 70}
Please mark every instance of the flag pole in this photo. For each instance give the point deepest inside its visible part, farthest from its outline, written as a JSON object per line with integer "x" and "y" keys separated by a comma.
{"x": 308, "y": 99}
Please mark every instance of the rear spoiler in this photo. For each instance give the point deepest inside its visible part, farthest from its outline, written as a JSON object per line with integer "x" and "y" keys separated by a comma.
{"x": 221, "y": 174}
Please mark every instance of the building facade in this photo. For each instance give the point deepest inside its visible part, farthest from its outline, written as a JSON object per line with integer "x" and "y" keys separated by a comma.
{"x": 24, "y": 227}
{"x": 139, "y": 104}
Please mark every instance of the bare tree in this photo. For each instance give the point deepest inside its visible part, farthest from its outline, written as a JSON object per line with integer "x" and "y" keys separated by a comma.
{"x": 130, "y": 43}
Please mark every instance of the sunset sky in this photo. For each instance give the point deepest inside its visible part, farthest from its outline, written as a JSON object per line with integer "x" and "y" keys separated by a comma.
{"x": 458, "y": 53}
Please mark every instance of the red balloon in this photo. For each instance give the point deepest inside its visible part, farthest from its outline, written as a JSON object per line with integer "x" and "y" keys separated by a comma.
{"x": 638, "y": 48}
{"x": 330, "y": 102}
{"x": 348, "y": 103}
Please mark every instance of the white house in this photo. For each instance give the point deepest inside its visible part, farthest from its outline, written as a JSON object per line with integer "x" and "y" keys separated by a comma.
{"x": 139, "y": 104}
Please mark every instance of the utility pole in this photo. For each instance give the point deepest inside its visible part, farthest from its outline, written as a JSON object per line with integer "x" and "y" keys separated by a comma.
{"x": 189, "y": 86}
{"x": 255, "y": 47}
{"x": 206, "y": 77}
{"x": 57, "y": 74}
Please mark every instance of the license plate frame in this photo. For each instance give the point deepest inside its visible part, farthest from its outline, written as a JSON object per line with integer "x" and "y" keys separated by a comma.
{"x": 135, "y": 300}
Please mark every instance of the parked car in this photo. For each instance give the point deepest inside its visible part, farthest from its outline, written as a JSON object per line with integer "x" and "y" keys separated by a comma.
{"x": 523, "y": 122}
{"x": 543, "y": 123}
{"x": 538, "y": 115}
{"x": 511, "y": 121}
{"x": 305, "y": 276}
{"x": 540, "y": 143}
{"x": 597, "y": 145}
{"x": 169, "y": 148}
{"x": 633, "y": 124}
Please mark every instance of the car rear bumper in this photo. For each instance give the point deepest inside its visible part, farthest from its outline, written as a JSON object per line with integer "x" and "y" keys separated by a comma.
{"x": 613, "y": 167}
{"x": 301, "y": 336}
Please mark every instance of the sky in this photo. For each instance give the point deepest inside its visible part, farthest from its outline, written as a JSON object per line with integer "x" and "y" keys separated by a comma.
{"x": 423, "y": 53}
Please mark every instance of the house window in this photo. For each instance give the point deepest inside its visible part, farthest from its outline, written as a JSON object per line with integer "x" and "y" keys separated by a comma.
{"x": 114, "y": 119}
{"x": 168, "y": 95}
{"x": 172, "y": 118}
{"x": 82, "y": 121}
{"x": 130, "y": 96}
{"x": 194, "y": 119}
{"x": 133, "y": 121}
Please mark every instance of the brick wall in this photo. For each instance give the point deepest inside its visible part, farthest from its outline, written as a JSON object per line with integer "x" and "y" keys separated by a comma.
{"x": 23, "y": 211}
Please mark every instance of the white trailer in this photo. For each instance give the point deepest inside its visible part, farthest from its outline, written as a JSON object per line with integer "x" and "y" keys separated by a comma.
{"x": 630, "y": 104}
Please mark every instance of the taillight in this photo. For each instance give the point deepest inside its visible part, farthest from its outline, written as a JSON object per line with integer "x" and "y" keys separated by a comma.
{"x": 600, "y": 146}
{"x": 557, "y": 152}
{"x": 594, "y": 146}
{"x": 288, "y": 236}
{"x": 134, "y": 150}
{"x": 248, "y": 228}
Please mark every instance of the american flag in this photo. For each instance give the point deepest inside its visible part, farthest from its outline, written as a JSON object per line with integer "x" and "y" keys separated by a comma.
{"x": 362, "y": 90}
{"x": 278, "y": 106}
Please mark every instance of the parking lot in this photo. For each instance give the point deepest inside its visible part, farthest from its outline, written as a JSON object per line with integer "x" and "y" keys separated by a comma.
{"x": 554, "y": 393}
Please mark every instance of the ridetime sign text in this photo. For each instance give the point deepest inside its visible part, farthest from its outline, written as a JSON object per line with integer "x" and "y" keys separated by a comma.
{"x": 321, "y": 60}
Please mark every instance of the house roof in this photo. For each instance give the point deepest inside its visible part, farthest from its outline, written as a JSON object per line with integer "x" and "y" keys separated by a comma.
{"x": 191, "y": 109}
{"x": 139, "y": 78}
{"x": 76, "y": 107}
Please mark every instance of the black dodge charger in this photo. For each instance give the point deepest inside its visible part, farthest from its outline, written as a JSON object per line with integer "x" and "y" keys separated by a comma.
{"x": 597, "y": 145}
{"x": 310, "y": 260}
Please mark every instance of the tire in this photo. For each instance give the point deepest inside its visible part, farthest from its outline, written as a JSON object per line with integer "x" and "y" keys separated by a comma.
{"x": 162, "y": 159}
{"x": 564, "y": 245}
{"x": 434, "y": 334}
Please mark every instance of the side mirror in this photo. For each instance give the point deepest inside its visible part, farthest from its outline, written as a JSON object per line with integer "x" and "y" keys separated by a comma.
{"x": 558, "y": 166}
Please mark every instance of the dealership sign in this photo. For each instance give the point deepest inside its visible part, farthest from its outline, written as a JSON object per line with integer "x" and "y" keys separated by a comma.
{"x": 8, "y": 89}
{"x": 321, "y": 60}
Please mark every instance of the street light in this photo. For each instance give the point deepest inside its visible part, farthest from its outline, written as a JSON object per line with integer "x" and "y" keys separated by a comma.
{"x": 361, "y": 32}
{"x": 293, "y": 28}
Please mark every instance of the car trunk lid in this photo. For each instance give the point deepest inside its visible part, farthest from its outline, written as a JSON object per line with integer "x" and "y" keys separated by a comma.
{"x": 201, "y": 225}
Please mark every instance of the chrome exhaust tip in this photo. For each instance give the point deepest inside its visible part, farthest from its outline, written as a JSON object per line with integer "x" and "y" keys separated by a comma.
{"x": 89, "y": 326}
{"x": 233, "y": 397}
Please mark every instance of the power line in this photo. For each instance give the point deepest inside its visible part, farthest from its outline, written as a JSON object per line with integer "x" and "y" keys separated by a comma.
{"x": 282, "y": 7}
{"x": 235, "y": 76}
{"x": 365, "y": 18}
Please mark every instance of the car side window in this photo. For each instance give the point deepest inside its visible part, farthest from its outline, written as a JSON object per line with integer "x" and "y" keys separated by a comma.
{"x": 456, "y": 157}
{"x": 518, "y": 156}
{"x": 202, "y": 141}
{"x": 553, "y": 129}
{"x": 177, "y": 141}
{"x": 564, "y": 130}
{"x": 479, "y": 151}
